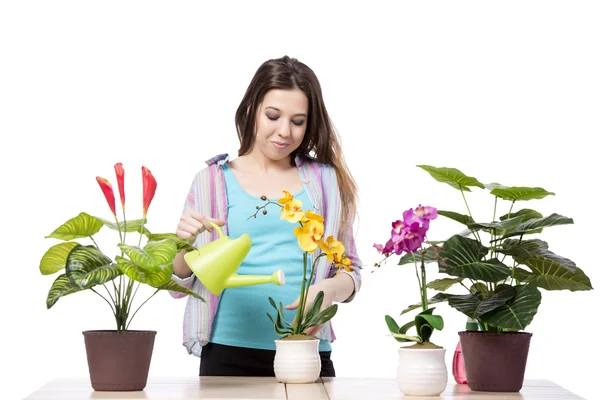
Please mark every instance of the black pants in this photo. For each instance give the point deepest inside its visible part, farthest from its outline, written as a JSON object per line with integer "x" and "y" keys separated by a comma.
{"x": 221, "y": 360}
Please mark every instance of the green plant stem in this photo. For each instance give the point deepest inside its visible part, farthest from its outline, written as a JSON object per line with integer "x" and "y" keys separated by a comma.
{"x": 424, "y": 280}
{"x": 418, "y": 280}
{"x": 470, "y": 214}
{"x": 300, "y": 311}
{"x": 105, "y": 299}
{"x": 135, "y": 312}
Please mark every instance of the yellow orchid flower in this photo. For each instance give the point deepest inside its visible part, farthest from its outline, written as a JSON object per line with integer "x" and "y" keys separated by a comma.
{"x": 309, "y": 235}
{"x": 287, "y": 197}
{"x": 330, "y": 246}
{"x": 342, "y": 262}
{"x": 292, "y": 211}
{"x": 312, "y": 216}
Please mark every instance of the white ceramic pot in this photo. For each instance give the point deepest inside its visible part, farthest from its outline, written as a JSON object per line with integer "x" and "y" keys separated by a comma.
{"x": 297, "y": 361}
{"x": 422, "y": 372}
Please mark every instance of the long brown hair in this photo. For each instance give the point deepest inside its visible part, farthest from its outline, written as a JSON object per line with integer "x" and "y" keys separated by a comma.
{"x": 320, "y": 142}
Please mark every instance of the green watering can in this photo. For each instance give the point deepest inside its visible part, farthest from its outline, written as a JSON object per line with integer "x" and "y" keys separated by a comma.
{"x": 215, "y": 264}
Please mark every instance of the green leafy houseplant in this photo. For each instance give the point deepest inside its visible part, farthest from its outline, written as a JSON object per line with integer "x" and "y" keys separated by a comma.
{"x": 119, "y": 270}
{"x": 407, "y": 239}
{"x": 502, "y": 264}
{"x": 310, "y": 236}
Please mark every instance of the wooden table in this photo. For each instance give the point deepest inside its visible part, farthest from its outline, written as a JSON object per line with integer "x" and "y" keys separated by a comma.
{"x": 207, "y": 388}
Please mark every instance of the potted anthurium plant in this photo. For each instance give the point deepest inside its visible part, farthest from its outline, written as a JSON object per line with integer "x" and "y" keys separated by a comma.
{"x": 118, "y": 359}
{"x": 501, "y": 265}
{"x": 297, "y": 358}
{"x": 421, "y": 367}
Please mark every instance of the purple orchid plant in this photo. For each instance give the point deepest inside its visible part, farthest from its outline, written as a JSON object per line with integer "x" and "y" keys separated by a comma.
{"x": 408, "y": 237}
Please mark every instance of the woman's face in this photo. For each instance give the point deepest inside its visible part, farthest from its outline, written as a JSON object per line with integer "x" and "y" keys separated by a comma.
{"x": 281, "y": 123}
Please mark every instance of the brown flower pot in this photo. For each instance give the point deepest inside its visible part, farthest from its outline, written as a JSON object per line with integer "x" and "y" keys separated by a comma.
{"x": 495, "y": 362}
{"x": 119, "y": 361}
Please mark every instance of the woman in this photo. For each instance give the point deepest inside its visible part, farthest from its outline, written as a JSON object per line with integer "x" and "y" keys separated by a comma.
{"x": 287, "y": 142}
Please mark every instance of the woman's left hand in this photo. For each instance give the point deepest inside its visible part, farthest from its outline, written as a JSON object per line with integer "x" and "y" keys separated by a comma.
{"x": 328, "y": 289}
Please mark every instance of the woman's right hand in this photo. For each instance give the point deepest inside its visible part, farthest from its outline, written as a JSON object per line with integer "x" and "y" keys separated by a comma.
{"x": 192, "y": 223}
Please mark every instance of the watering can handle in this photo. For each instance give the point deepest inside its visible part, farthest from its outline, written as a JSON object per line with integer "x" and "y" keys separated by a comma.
{"x": 218, "y": 228}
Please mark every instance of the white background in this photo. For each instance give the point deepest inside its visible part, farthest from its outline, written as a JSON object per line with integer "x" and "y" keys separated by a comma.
{"x": 505, "y": 91}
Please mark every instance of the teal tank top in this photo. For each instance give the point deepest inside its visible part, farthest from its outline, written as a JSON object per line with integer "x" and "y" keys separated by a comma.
{"x": 241, "y": 318}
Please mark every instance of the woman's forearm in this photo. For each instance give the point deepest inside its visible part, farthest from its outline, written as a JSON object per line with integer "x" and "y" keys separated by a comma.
{"x": 343, "y": 286}
{"x": 180, "y": 267}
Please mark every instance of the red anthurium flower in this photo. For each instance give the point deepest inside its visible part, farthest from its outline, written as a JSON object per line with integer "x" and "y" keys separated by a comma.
{"x": 121, "y": 181}
{"x": 149, "y": 184}
{"x": 108, "y": 193}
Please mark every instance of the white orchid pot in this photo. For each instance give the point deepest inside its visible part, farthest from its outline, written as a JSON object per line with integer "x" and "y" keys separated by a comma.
{"x": 422, "y": 372}
{"x": 297, "y": 361}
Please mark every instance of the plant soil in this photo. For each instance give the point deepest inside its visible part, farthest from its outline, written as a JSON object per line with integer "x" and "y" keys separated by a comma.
{"x": 424, "y": 345}
{"x": 300, "y": 336}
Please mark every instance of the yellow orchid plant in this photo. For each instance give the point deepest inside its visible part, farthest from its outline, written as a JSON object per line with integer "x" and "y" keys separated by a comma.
{"x": 310, "y": 234}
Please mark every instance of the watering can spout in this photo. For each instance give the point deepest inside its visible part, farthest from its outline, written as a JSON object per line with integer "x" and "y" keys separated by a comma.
{"x": 235, "y": 280}
{"x": 215, "y": 264}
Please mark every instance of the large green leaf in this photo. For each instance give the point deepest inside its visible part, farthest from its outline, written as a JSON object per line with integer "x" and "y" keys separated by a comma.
{"x": 463, "y": 258}
{"x": 438, "y": 298}
{"x": 443, "y": 284}
{"x": 452, "y": 177}
{"x": 55, "y": 258}
{"x": 83, "y": 225}
{"x": 462, "y": 218}
{"x": 518, "y": 312}
{"x": 553, "y": 272}
{"x": 516, "y": 193}
{"x": 526, "y": 213}
{"x": 87, "y": 267}
{"x": 173, "y": 286}
{"x": 62, "y": 286}
{"x": 498, "y": 228}
{"x": 534, "y": 225}
{"x": 501, "y": 296}
{"x": 524, "y": 248}
{"x": 431, "y": 255}
{"x": 135, "y": 225}
{"x": 155, "y": 278}
{"x": 468, "y": 304}
{"x": 154, "y": 256}
{"x": 395, "y": 329}
{"x": 181, "y": 244}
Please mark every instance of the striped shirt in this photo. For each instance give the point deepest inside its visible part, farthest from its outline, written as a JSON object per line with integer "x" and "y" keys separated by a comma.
{"x": 208, "y": 196}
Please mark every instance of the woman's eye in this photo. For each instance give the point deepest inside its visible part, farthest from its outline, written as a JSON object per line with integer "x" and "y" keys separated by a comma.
{"x": 273, "y": 117}
{"x": 298, "y": 123}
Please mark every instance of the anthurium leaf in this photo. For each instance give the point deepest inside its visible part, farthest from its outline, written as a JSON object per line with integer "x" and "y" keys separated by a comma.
{"x": 83, "y": 225}
{"x": 463, "y": 219}
{"x": 501, "y": 296}
{"x": 438, "y": 298}
{"x": 135, "y": 225}
{"x": 522, "y": 248}
{"x": 500, "y": 227}
{"x": 518, "y": 312}
{"x": 535, "y": 224}
{"x": 154, "y": 256}
{"x": 443, "y": 284}
{"x": 468, "y": 304}
{"x": 55, "y": 258}
{"x": 173, "y": 286}
{"x": 452, "y": 177}
{"x": 526, "y": 213}
{"x": 431, "y": 255}
{"x": 181, "y": 244}
{"x": 87, "y": 267}
{"x": 155, "y": 278}
{"x": 516, "y": 193}
{"x": 61, "y": 287}
{"x": 463, "y": 258}
{"x": 479, "y": 287}
{"x": 553, "y": 272}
